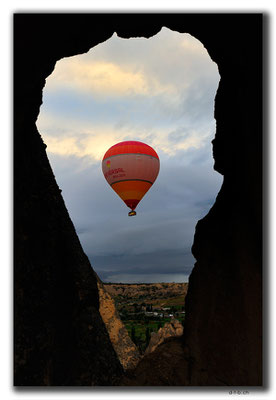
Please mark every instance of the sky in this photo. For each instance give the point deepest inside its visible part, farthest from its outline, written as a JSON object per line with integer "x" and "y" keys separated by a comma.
{"x": 159, "y": 91}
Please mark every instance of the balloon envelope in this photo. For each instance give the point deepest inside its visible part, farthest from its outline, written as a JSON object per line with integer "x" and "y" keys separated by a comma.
{"x": 130, "y": 168}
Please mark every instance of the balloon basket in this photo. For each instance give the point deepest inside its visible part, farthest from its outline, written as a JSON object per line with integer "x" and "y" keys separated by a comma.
{"x": 131, "y": 213}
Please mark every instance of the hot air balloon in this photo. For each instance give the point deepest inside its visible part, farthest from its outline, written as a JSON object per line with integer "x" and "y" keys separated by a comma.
{"x": 130, "y": 168}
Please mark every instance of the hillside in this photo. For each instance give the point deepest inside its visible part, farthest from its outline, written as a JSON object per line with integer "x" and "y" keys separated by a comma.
{"x": 149, "y": 292}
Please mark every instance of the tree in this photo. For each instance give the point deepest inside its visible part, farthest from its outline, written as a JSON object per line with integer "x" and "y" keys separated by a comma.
{"x": 133, "y": 334}
{"x": 136, "y": 307}
{"x": 147, "y": 336}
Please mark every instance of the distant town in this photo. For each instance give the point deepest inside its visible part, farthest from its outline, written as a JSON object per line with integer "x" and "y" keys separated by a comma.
{"x": 134, "y": 309}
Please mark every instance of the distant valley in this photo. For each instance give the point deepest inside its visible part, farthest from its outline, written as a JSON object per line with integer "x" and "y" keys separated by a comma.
{"x": 147, "y": 307}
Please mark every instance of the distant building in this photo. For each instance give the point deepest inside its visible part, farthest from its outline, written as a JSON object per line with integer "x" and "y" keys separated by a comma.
{"x": 148, "y": 313}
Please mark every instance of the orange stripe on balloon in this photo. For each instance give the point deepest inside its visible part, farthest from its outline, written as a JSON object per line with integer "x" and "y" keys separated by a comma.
{"x": 131, "y": 195}
{"x": 132, "y": 185}
{"x": 131, "y": 189}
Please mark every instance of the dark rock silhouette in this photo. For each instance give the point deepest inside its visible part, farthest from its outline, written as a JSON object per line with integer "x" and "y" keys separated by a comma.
{"x": 166, "y": 366}
{"x": 60, "y": 338}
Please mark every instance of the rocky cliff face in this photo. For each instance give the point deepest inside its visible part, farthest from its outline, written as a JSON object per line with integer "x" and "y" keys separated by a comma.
{"x": 58, "y": 328}
{"x": 126, "y": 350}
{"x": 171, "y": 329}
{"x": 223, "y": 329}
{"x": 60, "y": 338}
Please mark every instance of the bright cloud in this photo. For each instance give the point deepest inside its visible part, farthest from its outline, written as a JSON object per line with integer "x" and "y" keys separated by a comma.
{"x": 101, "y": 78}
{"x": 81, "y": 140}
{"x": 133, "y": 89}
{"x": 166, "y": 64}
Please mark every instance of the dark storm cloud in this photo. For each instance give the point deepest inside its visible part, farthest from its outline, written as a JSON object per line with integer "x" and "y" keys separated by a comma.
{"x": 159, "y": 239}
{"x": 168, "y": 263}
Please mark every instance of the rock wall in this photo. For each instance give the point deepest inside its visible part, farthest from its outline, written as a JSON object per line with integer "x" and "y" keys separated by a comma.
{"x": 60, "y": 338}
{"x": 165, "y": 366}
{"x": 126, "y": 350}
{"x": 170, "y": 329}
{"x": 223, "y": 330}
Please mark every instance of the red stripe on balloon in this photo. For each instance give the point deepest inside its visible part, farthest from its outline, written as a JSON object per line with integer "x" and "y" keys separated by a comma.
{"x": 130, "y": 147}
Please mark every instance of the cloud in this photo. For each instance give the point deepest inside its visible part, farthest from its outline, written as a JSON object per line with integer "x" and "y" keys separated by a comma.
{"x": 167, "y": 215}
{"x": 158, "y": 240}
{"x": 161, "y": 266}
{"x": 104, "y": 78}
{"x": 160, "y": 55}
{"x": 143, "y": 278}
{"x": 167, "y": 64}
{"x": 68, "y": 136}
{"x": 160, "y": 91}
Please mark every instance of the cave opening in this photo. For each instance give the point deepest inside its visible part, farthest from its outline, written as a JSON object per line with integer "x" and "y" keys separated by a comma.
{"x": 223, "y": 326}
{"x": 159, "y": 91}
